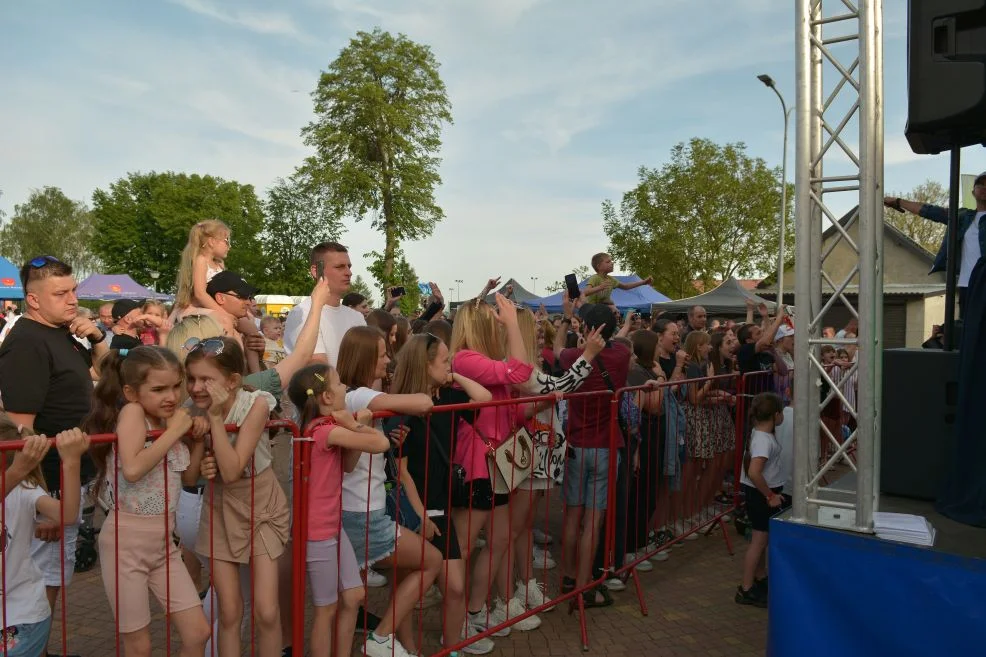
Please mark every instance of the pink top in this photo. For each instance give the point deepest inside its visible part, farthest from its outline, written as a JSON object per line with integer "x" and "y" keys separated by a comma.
{"x": 324, "y": 487}
{"x": 494, "y": 423}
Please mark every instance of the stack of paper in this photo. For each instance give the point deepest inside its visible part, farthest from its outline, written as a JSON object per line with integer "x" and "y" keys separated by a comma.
{"x": 904, "y": 528}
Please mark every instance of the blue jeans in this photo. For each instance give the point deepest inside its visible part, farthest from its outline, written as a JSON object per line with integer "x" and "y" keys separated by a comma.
{"x": 25, "y": 640}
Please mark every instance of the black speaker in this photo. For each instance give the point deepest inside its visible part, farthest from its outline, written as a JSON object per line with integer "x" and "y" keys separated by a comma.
{"x": 946, "y": 74}
{"x": 917, "y": 444}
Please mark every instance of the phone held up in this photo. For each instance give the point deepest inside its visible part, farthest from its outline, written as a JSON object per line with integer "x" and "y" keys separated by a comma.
{"x": 397, "y": 291}
{"x": 572, "y": 284}
{"x": 319, "y": 270}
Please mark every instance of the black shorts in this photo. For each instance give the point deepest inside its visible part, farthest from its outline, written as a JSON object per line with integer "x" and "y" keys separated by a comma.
{"x": 758, "y": 511}
{"x": 477, "y": 494}
{"x": 448, "y": 542}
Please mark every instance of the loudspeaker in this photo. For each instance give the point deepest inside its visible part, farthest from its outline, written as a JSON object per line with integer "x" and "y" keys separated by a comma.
{"x": 917, "y": 444}
{"x": 946, "y": 74}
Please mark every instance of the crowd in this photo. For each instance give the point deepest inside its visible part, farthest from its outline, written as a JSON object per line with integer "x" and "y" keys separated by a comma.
{"x": 422, "y": 493}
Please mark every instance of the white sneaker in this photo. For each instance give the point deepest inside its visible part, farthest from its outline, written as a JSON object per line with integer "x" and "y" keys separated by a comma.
{"x": 531, "y": 594}
{"x": 644, "y": 566}
{"x": 431, "y": 598}
{"x": 481, "y": 646}
{"x": 660, "y": 556}
{"x": 542, "y": 538}
{"x": 482, "y": 621}
{"x": 542, "y": 559}
{"x": 615, "y": 584}
{"x": 390, "y": 647}
{"x": 514, "y": 608}
{"x": 374, "y": 579}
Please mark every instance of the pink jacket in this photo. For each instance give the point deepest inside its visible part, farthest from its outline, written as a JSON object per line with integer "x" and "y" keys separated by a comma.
{"x": 493, "y": 423}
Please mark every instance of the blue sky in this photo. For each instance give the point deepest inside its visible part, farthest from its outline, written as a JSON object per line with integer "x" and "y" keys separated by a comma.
{"x": 556, "y": 105}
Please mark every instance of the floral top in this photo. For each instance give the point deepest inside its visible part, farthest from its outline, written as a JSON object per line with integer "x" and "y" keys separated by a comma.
{"x": 146, "y": 496}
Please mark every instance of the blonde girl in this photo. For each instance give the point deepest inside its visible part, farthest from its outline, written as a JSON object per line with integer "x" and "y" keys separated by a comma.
{"x": 154, "y": 317}
{"x": 203, "y": 257}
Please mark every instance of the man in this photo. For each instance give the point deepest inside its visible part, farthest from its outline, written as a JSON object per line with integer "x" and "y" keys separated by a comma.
{"x": 45, "y": 385}
{"x": 337, "y": 270}
{"x": 755, "y": 343}
{"x": 697, "y": 318}
{"x": 851, "y": 327}
{"x": 106, "y": 317}
{"x": 232, "y": 293}
{"x": 587, "y": 469}
{"x": 125, "y": 313}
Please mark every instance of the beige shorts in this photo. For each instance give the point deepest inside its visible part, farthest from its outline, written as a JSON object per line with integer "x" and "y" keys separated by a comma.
{"x": 143, "y": 567}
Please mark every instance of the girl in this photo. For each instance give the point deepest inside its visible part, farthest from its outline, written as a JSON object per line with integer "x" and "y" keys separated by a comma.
{"x": 427, "y": 474}
{"x": 203, "y": 257}
{"x": 248, "y": 488}
{"x": 375, "y": 537}
{"x": 762, "y": 481}
{"x": 331, "y": 563}
{"x": 723, "y": 349}
{"x": 155, "y": 323}
{"x": 26, "y": 611}
{"x": 140, "y": 391}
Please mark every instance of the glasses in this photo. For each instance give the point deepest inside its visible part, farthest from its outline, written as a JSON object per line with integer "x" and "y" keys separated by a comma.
{"x": 211, "y": 346}
{"x": 41, "y": 261}
{"x": 236, "y": 296}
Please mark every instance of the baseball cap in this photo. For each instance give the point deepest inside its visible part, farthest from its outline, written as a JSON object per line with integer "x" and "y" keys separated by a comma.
{"x": 228, "y": 282}
{"x": 783, "y": 332}
{"x": 124, "y": 306}
{"x": 599, "y": 314}
{"x": 979, "y": 177}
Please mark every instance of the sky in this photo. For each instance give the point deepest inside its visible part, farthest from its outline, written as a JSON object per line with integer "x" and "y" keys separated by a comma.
{"x": 556, "y": 105}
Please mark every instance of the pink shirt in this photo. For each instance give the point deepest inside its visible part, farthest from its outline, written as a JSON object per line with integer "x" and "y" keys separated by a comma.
{"x": 324, "y": 487}
{"x": 494, "y": 423}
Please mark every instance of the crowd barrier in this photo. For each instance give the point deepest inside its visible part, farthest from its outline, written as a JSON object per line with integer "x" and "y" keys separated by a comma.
{"x": 659, "y": 506}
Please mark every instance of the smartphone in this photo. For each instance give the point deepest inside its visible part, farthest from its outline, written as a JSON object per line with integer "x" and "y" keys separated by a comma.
{"x": 319, "y": 270}
{"x": 397, "y": 291}
{"x": 424, "y": 289}
{"x": 572, "y": 284}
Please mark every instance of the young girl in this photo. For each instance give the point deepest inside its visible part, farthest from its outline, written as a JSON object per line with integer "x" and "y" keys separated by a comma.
{"x": 331, "y": 563}
{"x": 762, "y": 479}
{"x": 248, "y": 488}
{"x": 155, "y": 323}
{"x": 376, "y": 538}
{"x": 27, "y": 614}
{"x": 140, "y": 391}
{"x": 203, "y": 257}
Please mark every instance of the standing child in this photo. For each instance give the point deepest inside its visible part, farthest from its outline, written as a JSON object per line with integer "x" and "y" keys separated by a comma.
{"x": 140, "y": 391}
{"x": 762, "y": 479}
{"x": 600, "y": 286}
{"x": 27, "y": 614}
{"x": 330, "y": 560}
{"x": 248, "y": 496}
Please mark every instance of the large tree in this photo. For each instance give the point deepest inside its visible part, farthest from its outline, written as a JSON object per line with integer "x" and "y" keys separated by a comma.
{"x": 402, "y": 275}
{"x": 926, "y": 233}
{"x": 379, "y": 112}
{"x": 143, "y": 221}
{"x": 295, "y": 222}
{"x": 50, "y": 223}
{"x": 711, "y": 212}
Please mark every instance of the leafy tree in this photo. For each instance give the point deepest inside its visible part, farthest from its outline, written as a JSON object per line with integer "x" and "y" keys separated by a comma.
{"x": 403, "y": 274}
{"x": 295, "y": 222}
{"x": 379, "y": 110}
{"x": 50, "y": 223}
{"x": 143, "y": 222}
{"x": 708, "y": 214}
{"x": 359, "y": 286}
{"x": 581, "y": 272}
{"x": 926, "y": 233}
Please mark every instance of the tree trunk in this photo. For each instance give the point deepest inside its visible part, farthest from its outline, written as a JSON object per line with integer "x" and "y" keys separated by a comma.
{"x": 389, "y": 226}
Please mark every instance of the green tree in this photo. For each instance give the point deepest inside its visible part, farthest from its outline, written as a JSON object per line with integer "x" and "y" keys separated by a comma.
{"x": 708, "y": 214}
{"x": 926, "y": 233}
{"x": 359, "y": 286}
{"x": 379, "y": 111}
{"x": 403, "y": 274}
{"x": 295, "y": 222}
{"x": 50, "y": 223}
{"x": 581, "y": 272}
{"x": 143, "y": 222}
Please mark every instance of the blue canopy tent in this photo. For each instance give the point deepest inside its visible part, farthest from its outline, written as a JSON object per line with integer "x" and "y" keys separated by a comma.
{"x": 640, "y": 298}
{"x": 10, "y": 280}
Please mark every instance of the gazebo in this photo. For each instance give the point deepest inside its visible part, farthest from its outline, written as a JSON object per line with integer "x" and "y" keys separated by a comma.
{"x": 110, "y": 287}
{"x": 728, "y": 299}
{"x": 10, "y": 280}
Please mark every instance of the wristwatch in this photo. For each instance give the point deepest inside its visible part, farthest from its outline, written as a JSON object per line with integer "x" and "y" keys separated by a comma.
{"x": 102, "y": 337}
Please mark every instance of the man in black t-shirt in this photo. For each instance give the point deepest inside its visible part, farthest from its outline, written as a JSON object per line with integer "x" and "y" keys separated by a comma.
{"x": 45, "y": 385}
{"x": 754, "y": 353}
{"x": 125, "y": 315}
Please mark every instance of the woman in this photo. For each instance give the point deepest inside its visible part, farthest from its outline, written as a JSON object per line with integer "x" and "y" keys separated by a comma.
{"x": 671, "y": 360}
{"x": 723, "y": 350}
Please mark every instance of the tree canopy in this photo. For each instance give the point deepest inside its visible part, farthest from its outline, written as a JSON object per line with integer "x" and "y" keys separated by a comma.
{"x": 50, "y": 223}
{"x": 403, "y": 274}
{"x": 926, "y": 233}
{"x": 709, "y": 213}
{"x": 379, "y": 110}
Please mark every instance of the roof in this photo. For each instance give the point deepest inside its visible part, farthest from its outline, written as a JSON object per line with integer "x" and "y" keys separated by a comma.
{"x": 108, "y": 287}
{"x": 640, "y": 298}
{"x": 889, "y": 289}
{"x": 520, "y": 295}
{"x": 727, "y": 299}
{"x": 745, "y": 283}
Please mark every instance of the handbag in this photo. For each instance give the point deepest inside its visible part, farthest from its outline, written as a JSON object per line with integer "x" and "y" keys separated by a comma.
{"x": 511, "y": 462}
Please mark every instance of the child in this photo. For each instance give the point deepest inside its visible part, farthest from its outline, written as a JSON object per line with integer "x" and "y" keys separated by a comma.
{"x": 248, "y": 487}
{"x": 203, "y": 257}
{"x": 27, "y": 614}
{"x": 763, "y": 480}
{"x": 331, "y": 561}
{"x": 140, "y": 391}
{"x": 273, "y": 331}
{"x": 154, "y": 320}
{"x": 600, "y": 286}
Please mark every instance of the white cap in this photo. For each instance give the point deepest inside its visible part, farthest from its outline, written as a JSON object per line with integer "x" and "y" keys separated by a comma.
{"x": 783, "y": 332}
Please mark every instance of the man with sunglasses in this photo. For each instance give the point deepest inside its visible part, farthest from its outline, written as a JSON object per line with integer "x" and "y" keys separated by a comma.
{"x": 45, "y": 384}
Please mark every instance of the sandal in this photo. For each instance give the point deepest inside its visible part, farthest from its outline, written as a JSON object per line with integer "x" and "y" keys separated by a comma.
{"x": 589, "y": 600}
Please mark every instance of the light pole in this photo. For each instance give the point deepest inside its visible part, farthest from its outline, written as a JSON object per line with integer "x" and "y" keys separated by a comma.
{"x": 535, "y": 279}
{"x": 458, "y": 292}
{"x": 769, "y": 82}
{"x": 154, "y": 276}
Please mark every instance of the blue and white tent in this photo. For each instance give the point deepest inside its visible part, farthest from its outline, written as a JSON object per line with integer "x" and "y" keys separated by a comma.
{"x": 640, "y": 298}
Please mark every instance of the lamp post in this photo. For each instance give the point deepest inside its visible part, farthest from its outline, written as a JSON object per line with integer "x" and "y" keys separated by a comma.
{"x": 154, "y": 276}
{"x": 535, "y": 279}
{"x": 769, "y": 82}
{"x": 458, "y": 292}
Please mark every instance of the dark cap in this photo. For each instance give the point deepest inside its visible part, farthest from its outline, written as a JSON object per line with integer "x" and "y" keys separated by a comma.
{"x": 122, "y": 307}
{"x": 600, "y": 315}
{"x": 981, "y": 176}
{"x": 227, "y": 282}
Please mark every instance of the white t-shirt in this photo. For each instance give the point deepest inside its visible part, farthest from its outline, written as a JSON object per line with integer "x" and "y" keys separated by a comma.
{"x": 370, "y": 474}
{"x": 335, "y": 321}
{"x": 765, "y": 445}
{"x": 24, "y": 594}
{"x": 785, "y": 438}
{"x": 9, "y": 325}
{"x": 970, "y": 251}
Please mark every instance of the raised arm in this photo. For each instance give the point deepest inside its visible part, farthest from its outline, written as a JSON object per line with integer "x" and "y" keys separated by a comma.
{"x": 635, "y": 284}
{"x": 304, "y": 345}
{"x": 489, "y": 372}
{"x": 933, "y": 212}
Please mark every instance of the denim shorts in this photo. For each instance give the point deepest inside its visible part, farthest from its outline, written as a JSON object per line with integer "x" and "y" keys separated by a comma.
{"x": 587, "y": 477}
{"x": 25, "y": 640}
{"x": 400, "y": 510}
{"x": 373, "y": 534}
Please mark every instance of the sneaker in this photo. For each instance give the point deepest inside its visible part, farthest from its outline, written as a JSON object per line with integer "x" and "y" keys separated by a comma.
{"x": 660, "y": 556}
{"x": 388, "y": 647}
{"x": 761, "y": 586}
{"x": 644, "y": 566}
{"x": 431, "y": 598}
{"x": 531, "y": 594}
{"x": 480, "y": 646}
{"x": 513, "y": 609}
{"x": 374, "y": 579}
{"x": 482, "y": 621}
{"x": 542, "y": 538}
{"x": 615, "y": 584}
{"x": 542, "y": 559}
{"x": 752, "y": 597}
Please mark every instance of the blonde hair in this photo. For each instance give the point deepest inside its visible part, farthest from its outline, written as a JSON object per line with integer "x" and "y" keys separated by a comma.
{"x": 152, "y": 303}
{"x": 11, "y": 431}
{"x": 198, "y": 237}
{"x": 202, "y": 327}
{"x": 476, "y": 328}
{"x": 693, "y": 341}
{"x": 528, "y": 331}
{"x": 411, "y": 373}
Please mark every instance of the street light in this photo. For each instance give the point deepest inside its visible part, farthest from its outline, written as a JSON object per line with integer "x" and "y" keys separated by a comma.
{"x": 769, "y": 82}
{"x": 535, "y": 279}
{"x": 458, "y": 292}
{"x": 154, "y": 276}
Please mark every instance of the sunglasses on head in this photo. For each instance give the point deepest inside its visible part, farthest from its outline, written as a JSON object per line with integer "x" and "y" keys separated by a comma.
{"x": 430, "y": 339}
{"x": 211, "y": 346}
{"x": 41, "y": 261}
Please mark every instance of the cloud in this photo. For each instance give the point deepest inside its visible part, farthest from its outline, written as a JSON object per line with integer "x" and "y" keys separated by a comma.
{"x": 261, "y": 22}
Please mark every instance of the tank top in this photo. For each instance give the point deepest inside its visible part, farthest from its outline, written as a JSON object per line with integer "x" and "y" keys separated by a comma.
{"x": 145, "y": 497}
